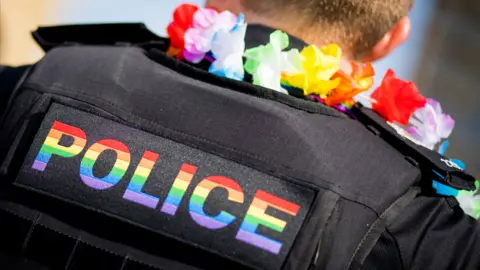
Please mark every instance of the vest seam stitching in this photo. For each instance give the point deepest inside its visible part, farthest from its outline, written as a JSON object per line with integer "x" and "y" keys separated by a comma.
{"x": 383, "y": 218}
{"x": 322, "y": 236}
{"x": 77, "y": 239}
{"x": 397, "y": 246}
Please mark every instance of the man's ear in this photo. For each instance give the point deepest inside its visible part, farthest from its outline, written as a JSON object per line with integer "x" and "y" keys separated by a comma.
{"x": 396, "y": 36}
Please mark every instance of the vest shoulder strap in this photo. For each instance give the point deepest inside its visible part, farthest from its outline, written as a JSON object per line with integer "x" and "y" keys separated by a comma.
{"x": 433, "y": 165}
{"x": 99, "y": 34}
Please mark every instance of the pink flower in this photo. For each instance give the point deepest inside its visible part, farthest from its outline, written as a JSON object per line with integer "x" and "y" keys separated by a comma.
{"x": 430, "y": 125}
{"x": 206, "y": 22}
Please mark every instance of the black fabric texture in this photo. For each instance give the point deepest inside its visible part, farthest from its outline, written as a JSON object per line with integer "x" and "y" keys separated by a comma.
{"x": 87, "y": 257}
{"x": 308, "y": 244}
{"x": 49, "y": 244}
{"x": 379, "y": 227}
{"x": 385, "y": 255}
{"x": 14, "y": 231}
{"x": 17, "y": 133}
{"x": 346, "y": 226}
{"x": 10, "y": 80}
{"x": 48, "y": 247}
{"x": 14, "y": 262}
{"x": 132, "y": 265}
{"x": 433, "y": 234}
{"x": 53, "y": 181}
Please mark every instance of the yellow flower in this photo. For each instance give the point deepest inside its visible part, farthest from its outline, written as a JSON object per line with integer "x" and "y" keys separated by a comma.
{"x": 319, "y": 65}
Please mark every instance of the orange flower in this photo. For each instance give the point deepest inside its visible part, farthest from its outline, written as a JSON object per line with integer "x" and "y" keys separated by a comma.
{"x": 363, "y": 74}
{"x": 360, "y": 80}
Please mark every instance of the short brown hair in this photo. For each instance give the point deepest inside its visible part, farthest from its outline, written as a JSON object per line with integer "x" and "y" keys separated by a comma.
{"x": 357, "y": 23}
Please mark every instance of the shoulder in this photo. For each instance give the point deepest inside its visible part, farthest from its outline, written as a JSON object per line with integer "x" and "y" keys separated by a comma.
{"x": 434, "y": 232}
{"x": 99, "y": 34}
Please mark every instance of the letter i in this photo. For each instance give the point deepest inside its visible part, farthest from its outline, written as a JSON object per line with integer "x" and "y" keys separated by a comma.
{"x": 178, "y": 189}
{"x": 134, "y": 190}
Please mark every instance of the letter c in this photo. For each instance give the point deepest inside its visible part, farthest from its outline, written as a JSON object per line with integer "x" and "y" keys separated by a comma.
{"x": 200, "y": 195}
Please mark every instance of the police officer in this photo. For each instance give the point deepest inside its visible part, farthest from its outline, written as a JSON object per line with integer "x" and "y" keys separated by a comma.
{"x": 116, "y": 156}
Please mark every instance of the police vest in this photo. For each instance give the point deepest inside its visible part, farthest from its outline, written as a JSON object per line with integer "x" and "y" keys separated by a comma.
{"x": 115, "y": 156}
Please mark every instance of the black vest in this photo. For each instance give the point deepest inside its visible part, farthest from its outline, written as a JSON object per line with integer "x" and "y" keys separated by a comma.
{"x": 119, "y": 157}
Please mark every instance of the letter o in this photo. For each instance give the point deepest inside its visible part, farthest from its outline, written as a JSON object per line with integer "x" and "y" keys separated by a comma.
{"x": 119, "y": 168}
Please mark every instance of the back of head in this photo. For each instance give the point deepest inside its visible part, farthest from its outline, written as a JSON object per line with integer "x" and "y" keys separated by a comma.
{"x": 356, "y": 25}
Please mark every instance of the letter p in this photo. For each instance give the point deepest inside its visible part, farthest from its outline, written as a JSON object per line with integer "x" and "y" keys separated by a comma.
{"x": 51, "y": 145}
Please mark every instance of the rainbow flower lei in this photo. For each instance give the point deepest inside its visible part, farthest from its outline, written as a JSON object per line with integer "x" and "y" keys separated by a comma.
{"x": 199, "y": 34}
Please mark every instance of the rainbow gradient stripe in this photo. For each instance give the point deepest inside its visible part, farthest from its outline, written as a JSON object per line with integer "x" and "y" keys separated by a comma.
{"x": 51, "y": 144}
{"x": 134, "y": 190}
{"x": 200, "y": 195}
{"x": 119, "y": 168}
{"x": 179, "y": 187}
{"x": 256, "y": 216}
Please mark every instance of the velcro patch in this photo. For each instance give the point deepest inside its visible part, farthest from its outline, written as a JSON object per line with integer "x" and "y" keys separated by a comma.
{"x": 173, "y": 189}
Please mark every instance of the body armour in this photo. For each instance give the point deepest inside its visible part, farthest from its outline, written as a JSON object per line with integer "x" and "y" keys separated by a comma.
{"x": 120, "y": 157}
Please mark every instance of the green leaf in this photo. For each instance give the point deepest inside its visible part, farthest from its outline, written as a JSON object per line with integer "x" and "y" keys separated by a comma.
{"x": 279, "y": 40}
{"x": 251, "y": 66}
{"x": 254, "y": 57}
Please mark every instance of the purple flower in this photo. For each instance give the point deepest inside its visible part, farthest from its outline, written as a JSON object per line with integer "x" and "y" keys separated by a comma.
{"x": 206, "y": 22}
{"x": 430, "y": 125}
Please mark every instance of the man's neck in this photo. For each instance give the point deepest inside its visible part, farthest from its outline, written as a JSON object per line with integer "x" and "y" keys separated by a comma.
{"x": 252, "y": 18}
{"x": 279, "y": 24}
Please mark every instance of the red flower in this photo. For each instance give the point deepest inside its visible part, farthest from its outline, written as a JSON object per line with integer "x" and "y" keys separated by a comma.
{"x": 182, "y": 20}
{"x": 396, "y": 100}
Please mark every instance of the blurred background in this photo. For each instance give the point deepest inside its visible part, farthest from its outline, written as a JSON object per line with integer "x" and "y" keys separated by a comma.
{"x": 442, "y": 55}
